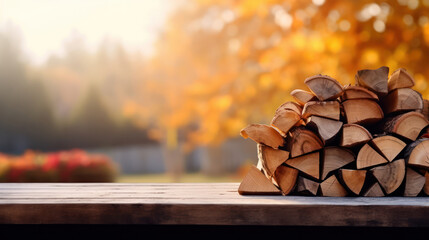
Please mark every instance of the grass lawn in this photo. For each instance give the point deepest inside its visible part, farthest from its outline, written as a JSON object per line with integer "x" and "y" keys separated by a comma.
{"x": 164, "y": 178}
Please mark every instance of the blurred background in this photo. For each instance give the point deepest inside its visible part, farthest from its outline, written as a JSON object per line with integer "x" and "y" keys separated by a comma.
{"x": 157, "y": 91}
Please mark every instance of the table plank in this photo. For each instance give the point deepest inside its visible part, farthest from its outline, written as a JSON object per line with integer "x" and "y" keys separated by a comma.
{"x": 198, "y": 204}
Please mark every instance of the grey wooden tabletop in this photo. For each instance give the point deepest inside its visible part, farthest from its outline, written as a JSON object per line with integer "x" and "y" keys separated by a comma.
{"x": 197, "y": 204}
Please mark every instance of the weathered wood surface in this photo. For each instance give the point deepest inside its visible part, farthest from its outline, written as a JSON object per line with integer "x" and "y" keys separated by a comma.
{"x": 197, "y": 204}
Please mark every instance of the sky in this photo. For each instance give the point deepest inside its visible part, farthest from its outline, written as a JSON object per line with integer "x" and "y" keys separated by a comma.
{"x": 45, "y": 25}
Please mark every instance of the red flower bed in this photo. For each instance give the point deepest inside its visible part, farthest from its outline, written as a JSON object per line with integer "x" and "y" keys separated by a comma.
{"x": 64, "y": 166}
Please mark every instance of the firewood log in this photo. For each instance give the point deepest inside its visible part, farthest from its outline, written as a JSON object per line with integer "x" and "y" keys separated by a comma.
{"x": 263, "y": 134}
{"x": 374, "y": 191}
{"x": 402, "y": 100}
{"x": 358, "y": 92}
{"x": 354, "y": 135}
{"x": 255, "y": 183}
{"x": 301, "y": 141}
{"x": 369, "y": 157}
{"x": 417, "y": 153}
{"x": 426, "y": 186}
{"x": 353, "y": 179}
{"x": 390, "y": 176}
{"x": 400, "y": 78}
{"x": 414, "y": 183}
{"x": 284, "y": 120}
{"x": 271, "y": 158}
{"x": 302, "y": 96}
{"x": 286, "y": 178}
{"x": 374, "y": 79}
{"x": 327, "y": 109}
{"x": 408, "y": 125}
{"x": 334, "y": 158}
{"x": 362, "y": 111}
{"x": 331, "y": 187}
{"x": 388, "y": 146}
{"x": 326, "y": 128}
{"x": 309, "y": 164}
{"x": 290, "y": 106}
{"x": 324, "y": 87}
{"x": 306, "y": 186}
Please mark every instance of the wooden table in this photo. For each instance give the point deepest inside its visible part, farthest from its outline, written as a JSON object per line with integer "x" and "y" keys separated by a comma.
{"x": 197, "y": 204}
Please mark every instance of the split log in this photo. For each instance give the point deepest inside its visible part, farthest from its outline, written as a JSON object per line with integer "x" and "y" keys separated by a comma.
{"x": 374, "y": 191}
{"x": 308, "y": 164}
{"x": 354, "y": 135}
{"x": 263, "y": 134}
{"x": 408, "y": 125}
{"x": 369, "y": 157}
{"x": 284, "y": 120}
{"x": 400, "y": 78}
{"x": 255, "y": 183}
{"x": 331, "y": 187}
{"x": 271, "y": 158}
{"x": 290, "y": 106}
{"x": 414, "y": 183}
{"x": 302, "y": 96}
{"x": 357, "y": 92}
{"x": 417, "y": 153}
{"x": 305, "y": 186}
{"x": 353, "y": 179}
{"x": 301, "y": 141}
{"x": 362, "y": 111}
{"x": 390, "y": 176}
{"x": 335, "y": 158}
{"x": 286, "y": 178}
{"x": 328, "y": 109}
{"x": 402, "y": 100}
{"x": 388, "y": 146}
{"x": 374, "y": 79}
{"x": 324, "y": 87}
{"x": 327, "y": 128}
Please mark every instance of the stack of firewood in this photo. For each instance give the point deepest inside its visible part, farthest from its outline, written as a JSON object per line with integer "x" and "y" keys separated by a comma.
{"x": 370, "y": 139}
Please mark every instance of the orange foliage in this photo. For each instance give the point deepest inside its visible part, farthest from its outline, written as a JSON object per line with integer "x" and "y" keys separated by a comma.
{"x": 222, "y": 64}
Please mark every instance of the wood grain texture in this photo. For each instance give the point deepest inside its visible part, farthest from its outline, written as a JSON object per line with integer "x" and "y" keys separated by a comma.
{"x": 197, "y": 204}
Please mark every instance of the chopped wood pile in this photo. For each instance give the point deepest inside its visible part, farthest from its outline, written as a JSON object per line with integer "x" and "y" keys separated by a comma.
{"x": 371, "y": 139}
